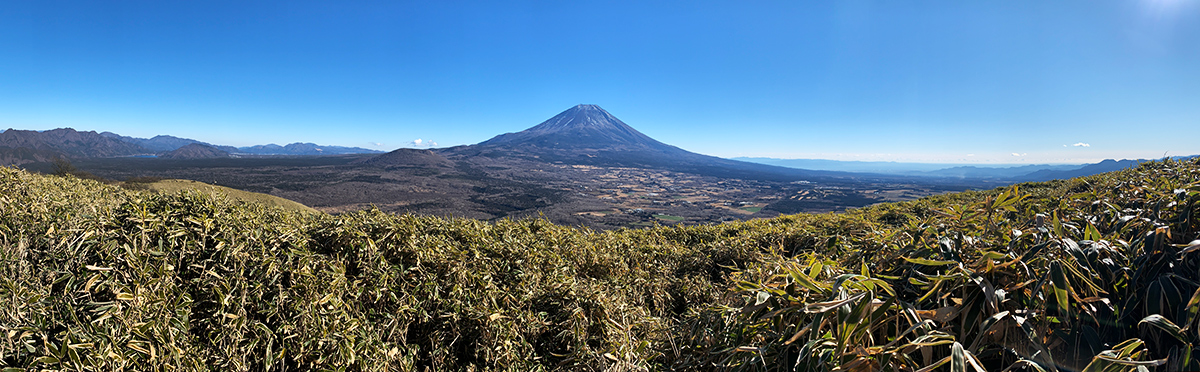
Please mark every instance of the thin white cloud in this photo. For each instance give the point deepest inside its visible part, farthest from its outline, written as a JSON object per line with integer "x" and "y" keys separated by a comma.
{"x": 1020, "y": 154}
{"x": 1081, "y": 144}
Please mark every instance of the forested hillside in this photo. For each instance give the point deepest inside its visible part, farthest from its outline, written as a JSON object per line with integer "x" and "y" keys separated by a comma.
{"x": 1096, "y": 273}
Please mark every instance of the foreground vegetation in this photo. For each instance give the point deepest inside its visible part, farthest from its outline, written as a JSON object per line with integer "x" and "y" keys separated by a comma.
{"x": 1094, "y": 274}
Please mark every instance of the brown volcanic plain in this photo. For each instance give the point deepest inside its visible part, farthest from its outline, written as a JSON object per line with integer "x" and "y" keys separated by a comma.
{"x": 581, "y": 167}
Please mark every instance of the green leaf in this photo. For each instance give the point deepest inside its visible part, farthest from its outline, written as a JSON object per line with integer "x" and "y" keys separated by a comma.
{"x": 1061, "y": 289}
{"x": 1091, "y": 233}
{"x": 1121, "y": 355}
{"x": 926, "y": 262}
{"x": 958, "y": 358}
{"x": 807, "y": 281}
{"x": 821, "y": 307}
{"x": 47, "y": 360}
{"x": 1149, "y": 363}
{"x": 1058, "y": 226}
{"x": 934, "y": 365}
{"x": 1193, "y": 307}
{"x": 1128, "y": 347}
{"x": 993, "y": 255}
{"x": 1158, "y": 321}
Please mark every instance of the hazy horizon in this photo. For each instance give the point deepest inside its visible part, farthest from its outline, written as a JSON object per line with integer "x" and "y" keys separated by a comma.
{"x": 936, "y": 82}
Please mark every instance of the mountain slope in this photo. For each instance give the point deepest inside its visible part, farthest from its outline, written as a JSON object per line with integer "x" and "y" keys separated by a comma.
{"x": 413, "y": 158}
{"x": 25, "y": 155}
{"x": 162, "y": 143}
{"x": 303, "y": 148}
{"x": 580, "y": 127}
{"x": 195, "y": 151}
{"x": 173, "y": 186}
{"x": 1108, "y": 165}
{"x": 589, "y": 135}
{"x": 70, "y": 143}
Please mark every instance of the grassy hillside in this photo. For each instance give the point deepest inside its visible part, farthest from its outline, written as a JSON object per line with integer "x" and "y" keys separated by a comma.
{"x": 1096, "y": 273}
{"x": 176, "y": 186}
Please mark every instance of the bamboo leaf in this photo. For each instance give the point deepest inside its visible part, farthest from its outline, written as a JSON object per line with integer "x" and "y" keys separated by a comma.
{"x": 1192, "y": 308}
{"x": 821, "y": 307}
{"x": 1158, "y": 321}
{"x": 958, "y": 358}
{"x": 934, "y": 365}
{"x": 1060, "y": 288}
{"x": 927, "y": 262}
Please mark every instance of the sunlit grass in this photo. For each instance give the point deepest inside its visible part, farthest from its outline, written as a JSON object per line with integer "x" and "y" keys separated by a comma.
{"x": 1097, "y": 273}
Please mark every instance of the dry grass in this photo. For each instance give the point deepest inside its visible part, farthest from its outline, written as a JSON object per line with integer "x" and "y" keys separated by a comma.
{"x": 1088, "y": 274}
{"x": 176, "y": 186}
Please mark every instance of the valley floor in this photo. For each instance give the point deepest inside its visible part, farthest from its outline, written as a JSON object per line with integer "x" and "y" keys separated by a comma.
{"x": 492, "y": 188}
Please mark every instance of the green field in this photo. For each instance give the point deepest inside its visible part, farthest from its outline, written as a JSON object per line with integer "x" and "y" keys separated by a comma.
{"x": 667, "y": 217}
{"x": 1091, "y": 274}
{"x": 751, "y": 209}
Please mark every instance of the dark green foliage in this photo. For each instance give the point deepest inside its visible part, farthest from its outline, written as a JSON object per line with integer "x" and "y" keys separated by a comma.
{"x": 1095, "y": 274}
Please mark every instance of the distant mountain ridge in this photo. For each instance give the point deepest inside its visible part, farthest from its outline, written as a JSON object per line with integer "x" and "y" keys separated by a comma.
{"x": 29, "y": 146}
{"x": 302, "y": 148}
{"x": 1108, "y": 165}
{"x": 163, "y": 143}
{"x": 910, "y": 169}
{"x": 589, "y": 135}
{"x": 582, "y": 127}
{"x": 195, "y": 151}
{"x": 1012, "y": 173}
{"x": 67, "y": 143}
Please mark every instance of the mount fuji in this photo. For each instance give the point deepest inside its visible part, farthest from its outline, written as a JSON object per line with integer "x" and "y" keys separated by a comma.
{"x": 589, "y": 135}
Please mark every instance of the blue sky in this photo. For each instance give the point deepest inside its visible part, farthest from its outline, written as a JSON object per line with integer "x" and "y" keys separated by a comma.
{"x": 949, "y": 81}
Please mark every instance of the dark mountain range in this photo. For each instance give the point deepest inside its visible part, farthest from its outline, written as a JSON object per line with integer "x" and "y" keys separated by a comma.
{"x": 589, "y": 135}
{"x": 195, "y": 151}
{"x": 881, "y": 167}
{"x": 1086, "y": 170}
{"x": 300, "y": 148}
{"x": 975, "y": 171}
{"x": 70, "y": 143}
{"x": 163, "y": 143}
{"x": 29, "y": 146}
{"x": 978, "y": 172}
{"x": 1006, "y": 174}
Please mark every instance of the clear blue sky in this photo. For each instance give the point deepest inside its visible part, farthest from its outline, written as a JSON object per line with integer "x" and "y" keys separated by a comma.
{"x": 949, "y": 81}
